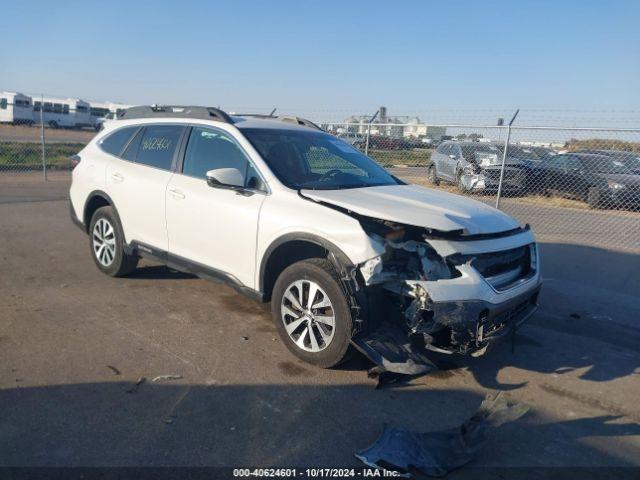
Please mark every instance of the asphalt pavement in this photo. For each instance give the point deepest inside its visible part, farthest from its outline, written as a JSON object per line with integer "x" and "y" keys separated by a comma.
{"x": 76, "y": 346}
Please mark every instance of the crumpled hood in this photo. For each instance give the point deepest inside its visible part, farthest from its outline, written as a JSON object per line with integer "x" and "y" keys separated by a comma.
{"x": 419, "y": 206}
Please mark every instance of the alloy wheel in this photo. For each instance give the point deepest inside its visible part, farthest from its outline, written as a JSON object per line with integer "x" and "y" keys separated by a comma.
{"x": 104, "y": 242}
{"x": 308, "y": 315}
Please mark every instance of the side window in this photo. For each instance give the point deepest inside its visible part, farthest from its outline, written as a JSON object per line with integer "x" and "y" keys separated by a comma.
{"x": 573, "y": 163}
{"x": 156, "y": 145}
{"x": 3, "y": 103}
{"x": 442, "y": 148}
{"x": 115, "y": 142}
{"x": 210, "y": 149}
{"x": 558, "y": 162}
{"x": 254, "y": 180}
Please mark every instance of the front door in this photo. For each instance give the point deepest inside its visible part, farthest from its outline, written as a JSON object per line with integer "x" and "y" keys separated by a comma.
{"x": 215, "y": 227}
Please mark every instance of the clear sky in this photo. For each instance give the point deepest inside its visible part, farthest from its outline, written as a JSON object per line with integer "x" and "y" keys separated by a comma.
{"x": 339, "y": 56}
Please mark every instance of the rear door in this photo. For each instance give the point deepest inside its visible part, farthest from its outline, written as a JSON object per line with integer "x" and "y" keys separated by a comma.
{"x": 575, "y": 181}
{"x": 440, "y": 158}
{"x": 555, "y": 174}
{"x": 215, "y": 227}
{"x": 138, "y": 182}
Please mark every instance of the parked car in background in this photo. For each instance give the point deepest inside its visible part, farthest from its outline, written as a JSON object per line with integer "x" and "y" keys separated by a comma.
{"x": 532, "y": 165}
{"x": 599, "y": 180}
{"x": 475, "y": 166}
{"x": 352, "y": 138}
{"x": 630, "y": 159}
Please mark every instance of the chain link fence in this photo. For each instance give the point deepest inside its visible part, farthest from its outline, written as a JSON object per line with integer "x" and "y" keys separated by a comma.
{"x": 573, "y": 185}
{"x": 576, "y": 185}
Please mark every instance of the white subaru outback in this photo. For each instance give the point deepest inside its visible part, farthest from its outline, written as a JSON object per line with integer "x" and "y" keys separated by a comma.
{"x": 284, "y": 212}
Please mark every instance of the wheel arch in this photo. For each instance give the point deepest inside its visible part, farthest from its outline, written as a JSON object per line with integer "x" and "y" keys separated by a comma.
{"x": 96, "y": 200}
{"x": 294, "y": 247}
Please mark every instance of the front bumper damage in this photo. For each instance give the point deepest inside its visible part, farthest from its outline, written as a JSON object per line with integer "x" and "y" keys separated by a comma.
{"x": 488, "y": 179}
{"x": 445, "y": 294}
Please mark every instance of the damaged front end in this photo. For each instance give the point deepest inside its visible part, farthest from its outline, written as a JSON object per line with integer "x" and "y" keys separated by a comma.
{"x": 444, "y": 292}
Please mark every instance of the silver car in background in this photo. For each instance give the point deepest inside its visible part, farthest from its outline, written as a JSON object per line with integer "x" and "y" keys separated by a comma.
{"x": 475, "y": 166}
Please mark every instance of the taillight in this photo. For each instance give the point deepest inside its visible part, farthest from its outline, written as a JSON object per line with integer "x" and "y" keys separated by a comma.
{"x": 75, "y": 160}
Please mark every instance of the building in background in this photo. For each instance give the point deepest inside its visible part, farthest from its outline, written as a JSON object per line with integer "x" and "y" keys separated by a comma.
{"x": 396, "y": 127}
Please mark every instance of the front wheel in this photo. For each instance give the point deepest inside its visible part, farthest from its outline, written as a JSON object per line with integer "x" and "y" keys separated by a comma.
{"x": 311, "y": 312}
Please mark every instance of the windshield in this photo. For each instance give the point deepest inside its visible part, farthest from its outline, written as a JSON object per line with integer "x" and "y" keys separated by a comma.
{"x": 316, "y": 160}
{"x": 603, "y": 164}
{"x": 529, "y": 153}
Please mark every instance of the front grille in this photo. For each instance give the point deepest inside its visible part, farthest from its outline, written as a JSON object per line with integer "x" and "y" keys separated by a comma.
{"x": 509, "y": 173}
{"x": 504, "y": 269}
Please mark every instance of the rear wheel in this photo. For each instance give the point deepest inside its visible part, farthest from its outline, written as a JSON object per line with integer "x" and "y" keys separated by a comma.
{"x": 432, "y": 175}
{"x": 311, "y": 312}
{"x": 107, "y": 244}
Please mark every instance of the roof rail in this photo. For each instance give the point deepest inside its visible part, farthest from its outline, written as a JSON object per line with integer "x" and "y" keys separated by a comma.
{"x": 180, "y": 111}
{"x": 298, "y": 121}
{"x": 282, "y": 118}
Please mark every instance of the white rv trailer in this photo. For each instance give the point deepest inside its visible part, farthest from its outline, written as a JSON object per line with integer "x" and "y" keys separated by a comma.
{"x": 16, "y": 108}
{"x": 62, "y": 112}
{"x": 101, "y": 111}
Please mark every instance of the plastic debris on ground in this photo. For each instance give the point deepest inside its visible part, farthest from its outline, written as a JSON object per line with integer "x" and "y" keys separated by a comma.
{"x": 437, "y": 453}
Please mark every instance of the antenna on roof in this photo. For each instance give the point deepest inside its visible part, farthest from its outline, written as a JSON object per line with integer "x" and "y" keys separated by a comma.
{"x": 273, "y": 111}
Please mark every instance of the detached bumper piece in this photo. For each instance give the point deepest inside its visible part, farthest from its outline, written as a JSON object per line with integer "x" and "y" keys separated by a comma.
{"x": 437, "y": 453}
{"x": 390, "y": 348}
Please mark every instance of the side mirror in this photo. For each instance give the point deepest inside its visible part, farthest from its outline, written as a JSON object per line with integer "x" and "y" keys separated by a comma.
{"x": 229, "y": 178}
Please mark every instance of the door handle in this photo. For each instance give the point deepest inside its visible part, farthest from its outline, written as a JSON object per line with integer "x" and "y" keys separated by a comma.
{"x": 176, "y": 193}
{"x": 116, "y": 177}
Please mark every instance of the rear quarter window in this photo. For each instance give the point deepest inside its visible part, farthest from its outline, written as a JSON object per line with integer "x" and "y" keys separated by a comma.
{"x": 155, "y": 146}
{"x": 115, "y": 142}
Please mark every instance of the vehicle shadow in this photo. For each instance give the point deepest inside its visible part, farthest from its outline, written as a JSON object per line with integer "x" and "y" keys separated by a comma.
{"x": 158, "y": 272}
{"x": 589, "y": 309}
{"x": 577, "y": 300}
{"x": 117, "y": 424}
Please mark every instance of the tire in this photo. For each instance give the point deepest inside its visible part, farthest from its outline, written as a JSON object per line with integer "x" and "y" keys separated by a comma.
{"x": 105, "y": 230}
{"x": 432, "y": 175}
{"x": 331, "y": 344}
{"x": 594, "y": 198}
{"x": 53, "y": 124}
